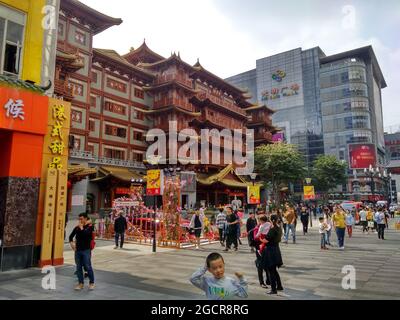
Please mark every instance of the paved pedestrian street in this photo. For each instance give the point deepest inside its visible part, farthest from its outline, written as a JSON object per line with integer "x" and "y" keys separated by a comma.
{"x": 308, "y": 273}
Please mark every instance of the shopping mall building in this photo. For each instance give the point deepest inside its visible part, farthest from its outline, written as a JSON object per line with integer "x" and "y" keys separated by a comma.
{"x": 324, "y": 104}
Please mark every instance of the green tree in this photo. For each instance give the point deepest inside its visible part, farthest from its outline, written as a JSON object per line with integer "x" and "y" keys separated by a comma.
{"x": 278, "y": 165}
{"x": 328, "y": 172}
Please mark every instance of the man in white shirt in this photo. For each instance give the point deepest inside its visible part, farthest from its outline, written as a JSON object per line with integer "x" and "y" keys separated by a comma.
{"x": 363, "y": 219}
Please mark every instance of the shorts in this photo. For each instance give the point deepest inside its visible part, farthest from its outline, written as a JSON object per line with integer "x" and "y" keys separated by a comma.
{"x": 364, "y": 223}
{"x": 197, "y": 233}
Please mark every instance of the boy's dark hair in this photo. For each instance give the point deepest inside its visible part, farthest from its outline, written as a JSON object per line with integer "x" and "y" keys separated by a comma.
{"x": 84, "y": 215}
{"x": 321, "y": 218}
{"x": 213, "y": 257}
{"x": 264, "y": 219}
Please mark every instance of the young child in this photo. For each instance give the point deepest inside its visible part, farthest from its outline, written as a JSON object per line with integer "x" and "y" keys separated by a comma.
{"x": 349, "y": 223}
{"x": 217, "y": 286}
{"x": 262, "y": 232}
{"x": 323, "y": 227}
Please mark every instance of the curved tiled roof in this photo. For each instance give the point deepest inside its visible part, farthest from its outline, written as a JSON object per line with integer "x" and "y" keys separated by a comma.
{"x": 96, "y": 19}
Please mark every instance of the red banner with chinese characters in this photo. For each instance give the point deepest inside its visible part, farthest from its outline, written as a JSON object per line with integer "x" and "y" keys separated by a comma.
{"x": 362, "y": 155}
{"x": 22, "y": 110}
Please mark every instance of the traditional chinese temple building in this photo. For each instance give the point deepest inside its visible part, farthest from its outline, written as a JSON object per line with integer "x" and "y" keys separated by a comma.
{"x": 116, "y": 99}
{"x": 197, "y": 99}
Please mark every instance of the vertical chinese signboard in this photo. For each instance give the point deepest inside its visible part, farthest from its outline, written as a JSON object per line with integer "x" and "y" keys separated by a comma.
{"x": 58, "y": 246}
{"x": 253, "y": 194}
{"x": 55, "y": 157}
{"x": 154, "y": 182}
{"x": 48, "y": 218}
{"x": 309, "y": 193}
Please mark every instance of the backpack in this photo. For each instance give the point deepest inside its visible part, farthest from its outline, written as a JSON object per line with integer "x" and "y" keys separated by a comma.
{"x": 93, "y": 242}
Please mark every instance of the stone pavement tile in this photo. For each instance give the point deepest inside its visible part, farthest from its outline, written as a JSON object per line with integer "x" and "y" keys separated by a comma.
{"x": 360, "y": 276}
{"x": 382, "y": 287}
{"x": 386, "y": 279}
{"x": 333, "y": 293}
{"x": 372, "y": 296}
{"x": 305, "y": 283}
{"x": 11, "y": 294}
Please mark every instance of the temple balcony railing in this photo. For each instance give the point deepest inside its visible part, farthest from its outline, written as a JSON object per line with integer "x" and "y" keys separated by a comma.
{"x": 118, "y": 162}
{"x": 92, "y": 159}
{"x": 77, "y": 154}
{"x": 221, "y": 102}
{"x": 263, "y": 136}
{"x": 61, "y": 88}
{"x": 174, "y": 77}
{"x": 260, "y": 119}
{"x": 165, "y": 102}
{"x": 67, "y": 48}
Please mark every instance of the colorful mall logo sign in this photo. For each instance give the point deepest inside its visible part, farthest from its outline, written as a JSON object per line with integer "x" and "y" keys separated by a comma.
{"x": 279, "y": 75}
{"x": 277, "y": 93}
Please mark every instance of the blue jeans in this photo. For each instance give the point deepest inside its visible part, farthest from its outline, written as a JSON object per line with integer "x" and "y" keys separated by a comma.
{"x": 340, "y": 232}
{"x": 323, "y": 240}
{"x": 83, "y": 260}
{"x": 292, "y": 228}
{"x": 328, "y": 236}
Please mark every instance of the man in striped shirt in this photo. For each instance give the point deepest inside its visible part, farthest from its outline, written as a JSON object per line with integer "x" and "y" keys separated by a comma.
{"x": 221, "y": 224}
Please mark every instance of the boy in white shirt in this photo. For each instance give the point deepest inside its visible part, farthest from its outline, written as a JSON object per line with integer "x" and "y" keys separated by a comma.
{"x": 323, "y": 227}
{"x": 218, "y": 286}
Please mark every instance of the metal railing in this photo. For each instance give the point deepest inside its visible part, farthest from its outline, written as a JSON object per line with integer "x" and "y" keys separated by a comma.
{"x": 106, "y": 161}
{"x": 174, "y": 77}
{"x": 221, "y": 102}
{"x": 77, "y": 154}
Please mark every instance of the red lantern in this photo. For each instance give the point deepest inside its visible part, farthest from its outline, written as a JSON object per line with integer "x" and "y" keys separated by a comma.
{"x": 69, "y": 184}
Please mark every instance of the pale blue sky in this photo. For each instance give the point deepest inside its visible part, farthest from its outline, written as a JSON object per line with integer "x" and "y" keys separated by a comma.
{"x": 230, "y": 35}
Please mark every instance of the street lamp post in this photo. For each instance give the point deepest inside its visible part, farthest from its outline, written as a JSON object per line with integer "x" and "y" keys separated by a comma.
{"x": 154, "y": 161}
{"x": 371, "y": 173}
{"x": 387, "y": 178}
{"x": 356, "y": 186}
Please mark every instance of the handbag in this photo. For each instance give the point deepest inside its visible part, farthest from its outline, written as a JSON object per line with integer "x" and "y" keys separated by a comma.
{"x": 371, "y": 224}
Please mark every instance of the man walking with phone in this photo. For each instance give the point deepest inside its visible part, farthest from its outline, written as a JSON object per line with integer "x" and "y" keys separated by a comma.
{"x": 83, "y": 233}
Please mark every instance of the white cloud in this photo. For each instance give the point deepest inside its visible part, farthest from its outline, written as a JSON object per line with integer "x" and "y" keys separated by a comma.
{"x": 229, "y": 37}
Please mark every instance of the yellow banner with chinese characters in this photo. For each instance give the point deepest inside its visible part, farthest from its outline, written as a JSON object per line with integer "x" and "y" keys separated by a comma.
{"x": 55, "y": 156}
{"x": 59, "y": 223}
{"x": 48, "y": 218}
{"x": 154, "y": 180}
{"x": 253, "y": 195}
{"x": 309, "y": 193}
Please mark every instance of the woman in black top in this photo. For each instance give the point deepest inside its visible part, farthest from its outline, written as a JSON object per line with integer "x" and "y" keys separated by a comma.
{"x": 197, "y": 225}
{"x": 231, "y": 236}
{"x": 305, "y": 215}
{"x": 271, "y": 256}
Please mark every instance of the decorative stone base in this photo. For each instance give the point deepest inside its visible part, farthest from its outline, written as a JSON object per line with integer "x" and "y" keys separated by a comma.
{"x": 18, "y": 213}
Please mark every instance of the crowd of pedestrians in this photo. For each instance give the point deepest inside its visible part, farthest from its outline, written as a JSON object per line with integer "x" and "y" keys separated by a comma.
{"x": 265, "y": 231}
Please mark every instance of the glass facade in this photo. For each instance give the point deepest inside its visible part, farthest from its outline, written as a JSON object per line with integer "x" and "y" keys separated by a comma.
{"x": 289, "y": 84}
{"x": 322, "y": 103}
{"x": 247, "y": 80}
{"x": 345, "y": 106}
